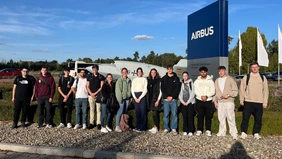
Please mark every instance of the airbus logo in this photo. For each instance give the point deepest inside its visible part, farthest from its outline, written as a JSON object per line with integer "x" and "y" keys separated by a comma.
{"x": 202, "y": 33}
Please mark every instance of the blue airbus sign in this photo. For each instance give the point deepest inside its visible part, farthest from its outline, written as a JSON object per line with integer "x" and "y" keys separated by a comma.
{"x": 207, "y": 38}
{"x": 206, "y": 28}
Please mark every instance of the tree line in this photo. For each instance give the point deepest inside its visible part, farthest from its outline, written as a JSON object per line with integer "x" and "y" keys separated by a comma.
{"x": 152, "y": 58}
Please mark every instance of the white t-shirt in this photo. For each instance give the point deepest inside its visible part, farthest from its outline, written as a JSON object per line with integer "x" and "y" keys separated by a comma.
{"x": 81, "y": 91}
{"x": 221, "y": 83}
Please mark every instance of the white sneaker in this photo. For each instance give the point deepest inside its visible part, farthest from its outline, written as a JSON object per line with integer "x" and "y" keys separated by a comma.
{"x": 174, "y": 132}
{"x": 48, "y": 126}
{"x": 69, "y": 125}
{"x": 154, "y": 130}
{"x": 243, "y": 135}
{"x": 235, "y": 137}
{"x": 208, "y": 133}
{"x": 77, "y": 126}
{"x": 117, "y": 129}
{"x": 166, "y": 131}
{"x": 61, "y": 125}
{"x": 104, "y": 130}
{"x": 219, "y": 134}
{"x": 84, "y": 126}
{"x": 199, "y": 133}
{"x": 185, "y": 133}
{"x": 109, "y": 129}
{"x": 257, "y": 136}
{"x": 190, "y": 134}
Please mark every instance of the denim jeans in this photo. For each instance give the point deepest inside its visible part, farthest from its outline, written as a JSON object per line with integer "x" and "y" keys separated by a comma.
{"x": 170, "y": 106}
{"x": 81, "y": 102}
{"x": 122, "y": 110}
{"x": 104, "y": 113}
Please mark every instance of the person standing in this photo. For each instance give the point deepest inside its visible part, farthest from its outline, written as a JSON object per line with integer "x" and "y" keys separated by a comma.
{"x": 123, "y": 94}
{"x": 139, "y": 91}
{"x": 23, "y": 92}
{"x": 81, "y": 96}
{"x": 254, "y": 97}
{"x": 108, "y": 90}
{"x": 187, "y": 99}
{"x": 94, "y": 86}
{"x": 225, "y": 92}
{"x": 170, "y": 87}
{"x": 154, "y": 94}
{"x": 44, "y": 93}
{"x": 204, "y": 90}
{"x": 65, "y": 98}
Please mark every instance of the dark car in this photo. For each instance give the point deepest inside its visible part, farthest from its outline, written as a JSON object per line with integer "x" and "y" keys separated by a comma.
{"x": 268, "y": 75}
{"x": 275, "y": 76}
{"x": 238, "y": 78}
{"x": 9, "y": 72}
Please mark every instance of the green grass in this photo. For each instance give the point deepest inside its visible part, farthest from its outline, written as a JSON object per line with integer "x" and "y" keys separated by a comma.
{"x": 272, "y": 117}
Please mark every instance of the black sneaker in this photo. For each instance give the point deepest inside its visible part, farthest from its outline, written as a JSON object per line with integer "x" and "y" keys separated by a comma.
{"x": 99, "y": 126}
{"x": 40, "y": 126}
{"x": 23, "y": 125}
{"x": 14, "y": 126}
{"x": 91, "y": 126}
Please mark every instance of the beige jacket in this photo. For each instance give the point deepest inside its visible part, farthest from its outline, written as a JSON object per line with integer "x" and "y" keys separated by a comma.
{"x": 230, "y": 88}
{"x": 257, "y": 90}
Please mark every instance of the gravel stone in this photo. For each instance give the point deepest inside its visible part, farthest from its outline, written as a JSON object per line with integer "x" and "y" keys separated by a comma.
{"x": 145, "y": 143}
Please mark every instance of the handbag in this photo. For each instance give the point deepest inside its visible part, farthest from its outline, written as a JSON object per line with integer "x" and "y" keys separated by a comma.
{"x": 100, "y": 98}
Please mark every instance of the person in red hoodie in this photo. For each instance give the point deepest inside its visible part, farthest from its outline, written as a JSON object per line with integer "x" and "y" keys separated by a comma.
{"x": 44, "y": 93}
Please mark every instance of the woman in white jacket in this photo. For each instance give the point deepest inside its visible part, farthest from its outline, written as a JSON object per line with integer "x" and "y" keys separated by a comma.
{"x": 187, "y": 99}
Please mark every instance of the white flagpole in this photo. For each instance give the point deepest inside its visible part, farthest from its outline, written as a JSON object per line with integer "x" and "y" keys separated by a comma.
{"x": 240, "y": 56}
{"x": 278, "y": 76}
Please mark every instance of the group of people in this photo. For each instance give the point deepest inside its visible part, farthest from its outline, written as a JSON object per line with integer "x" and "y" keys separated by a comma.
{"x": 201, "y": 98}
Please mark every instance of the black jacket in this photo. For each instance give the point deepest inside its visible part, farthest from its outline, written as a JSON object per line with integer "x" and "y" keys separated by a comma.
{"x": 153, "y": 92}
{"x": 107, "y": 90}
{"x": 170, "y": 86}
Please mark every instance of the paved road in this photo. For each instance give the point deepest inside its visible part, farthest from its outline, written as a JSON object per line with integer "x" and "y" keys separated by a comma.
{"x": 18, "y": 155}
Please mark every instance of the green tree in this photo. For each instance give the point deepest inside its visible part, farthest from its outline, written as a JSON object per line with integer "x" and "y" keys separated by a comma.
{"x": 136, "y": 56}
{"x": 87, "y": 60}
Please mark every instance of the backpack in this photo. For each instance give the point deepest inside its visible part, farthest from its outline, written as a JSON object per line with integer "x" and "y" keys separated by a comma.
{"x": 190, "y": 85}
{"x": 123, "y": 124}
{"x": 248, "y": 78}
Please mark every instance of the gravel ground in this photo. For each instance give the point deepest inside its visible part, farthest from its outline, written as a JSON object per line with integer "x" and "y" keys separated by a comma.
{"x": 145, "y": 142}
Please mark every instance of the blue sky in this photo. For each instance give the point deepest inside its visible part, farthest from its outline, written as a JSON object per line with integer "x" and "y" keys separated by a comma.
{"x": 61, "y": 29}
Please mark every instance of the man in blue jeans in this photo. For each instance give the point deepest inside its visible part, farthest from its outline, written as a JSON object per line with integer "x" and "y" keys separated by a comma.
{"x": 81, "y": 99}
{"x": 170, "y": 86}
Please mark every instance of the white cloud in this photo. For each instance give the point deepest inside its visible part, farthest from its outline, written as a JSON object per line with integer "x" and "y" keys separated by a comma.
{"x": 21, "y": 29}
{"x": 183, "y": 45}
{"x": 41, "y": 50}
{"x": 142, "y": 37}
{"x": 171, "y": 38}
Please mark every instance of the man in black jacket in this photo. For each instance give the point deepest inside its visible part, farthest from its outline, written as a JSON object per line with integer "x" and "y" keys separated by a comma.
{"x": 170, "y": 86}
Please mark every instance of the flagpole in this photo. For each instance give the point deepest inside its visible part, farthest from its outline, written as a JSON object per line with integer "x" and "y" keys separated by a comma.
{"x": 278, "y": 76}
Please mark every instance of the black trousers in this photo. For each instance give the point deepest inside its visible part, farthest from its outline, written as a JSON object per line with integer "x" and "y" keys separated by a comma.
{"x": 257, "y": 110}
{"x": 44, "y": 104}
{"x": 205, "y": 111}
{"x": 65, "y": 113}
{"x": 20, "y": 105}
{"x": 156, "y": 118}
{"x": 188, "y": 118}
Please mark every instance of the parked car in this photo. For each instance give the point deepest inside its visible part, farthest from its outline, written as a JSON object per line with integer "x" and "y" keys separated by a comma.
{"x": 268, "y": 75}
{"x": 238, "y": 78}
{"x": 9, "y": 72}
{"x": 275, "y": 76}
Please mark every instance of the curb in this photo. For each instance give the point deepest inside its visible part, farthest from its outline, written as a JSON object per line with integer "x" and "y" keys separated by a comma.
{"x": 84, "y": 153}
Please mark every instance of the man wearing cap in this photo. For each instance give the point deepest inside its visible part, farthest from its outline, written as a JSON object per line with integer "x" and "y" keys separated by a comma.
{"x": 65, "y": 98}
{"x": 94, "y": 86}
